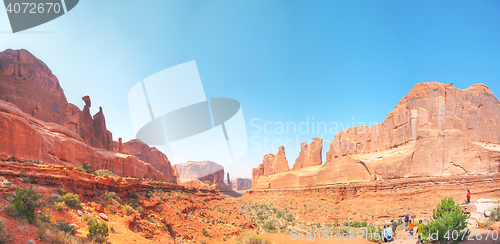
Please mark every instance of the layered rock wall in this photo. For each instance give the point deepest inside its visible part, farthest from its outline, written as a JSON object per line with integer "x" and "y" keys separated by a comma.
{"x": 28, "y": 138}
{"x": 310, "y": 155}
{"x": 37, "y": 122}
{"x": 27, "y": 82}
{"x": 435, "y": 130}
{"x": 243, "y": 184}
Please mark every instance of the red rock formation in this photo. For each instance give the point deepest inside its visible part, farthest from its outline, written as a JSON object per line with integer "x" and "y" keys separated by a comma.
{"x": 243, "y": 184}
{"x": 205, "y": 171}
{"x": 309, "y": 155}
{"x": 92, "y": 130}
{"x": 82, "y": 183}
{"x": 229, "y": 181}
{"x": 272, "y": 164}
{"x": 120, "y": 145}
{"x": 40, "y": 124}
{"x": 152, "y": 156}
{"x": 435, "y": 130}
{"x": 29, "y": 138}
{"x": 29, "y": 83}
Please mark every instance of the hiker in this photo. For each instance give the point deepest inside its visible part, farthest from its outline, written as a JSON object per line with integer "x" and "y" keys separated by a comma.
{"x": 468, "y": 197}
{"x": 410, "y": 228}
{"x": 388, "y": 234}
{"x": 407, "y": 218}
{"x": 394, "y": 226}
{"x": 419, "y": 231}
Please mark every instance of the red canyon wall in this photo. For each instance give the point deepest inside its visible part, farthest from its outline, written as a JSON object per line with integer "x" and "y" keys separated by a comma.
{"x": 36, "y": 122}
{"x": 435, "y": 130}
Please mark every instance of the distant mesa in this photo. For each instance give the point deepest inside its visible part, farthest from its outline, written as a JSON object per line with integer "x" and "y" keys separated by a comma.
{"x": 435, "y": 130}
{"x": 243, "y": 184}
{"x": 205, "y": 174}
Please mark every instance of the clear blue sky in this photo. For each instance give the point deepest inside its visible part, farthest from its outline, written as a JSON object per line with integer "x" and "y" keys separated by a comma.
{"x": 284, "y": 61}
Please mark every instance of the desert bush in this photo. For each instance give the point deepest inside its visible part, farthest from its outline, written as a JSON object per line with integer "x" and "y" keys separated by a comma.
{"x": 98, "y": 231}
{"x": 134, "y": 195}
{"x": 140, "y": 209}
{"x": 42, "y": 230}
{"x": 46, "y": 217}
{"x": 112, "y": 195}
{"x": 269, "y": 226}
{"x": 289, "y": 217}
{"x": 53, "y": 199}
{"x": 61, "y": 191}
{"x": 71, "y": 200}
{"x": 10, "y": 210}
{"x": 447, "y": 218}
{"x": 4, "y": 235}
{"x": 65, "y": 226}
{"x": 26, "y": 203}
{"x": 86, "y": 166}
{"x": 128, "y": 209}
{"x": 59, "y": 206}
{"x": 30, "y": 242}
{"x": 57, "y": 238}
{"x": 251, "y": 238}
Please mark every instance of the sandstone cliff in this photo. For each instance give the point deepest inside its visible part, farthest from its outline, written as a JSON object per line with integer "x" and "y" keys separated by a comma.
{"x": 150, "y": 155}
{"x": 36, "y": 122}
{"x": 310, "y": 155}
{"x": 29, "y": 138}
{"x": 435, "y": 130}
{"x": 28, "y": 82}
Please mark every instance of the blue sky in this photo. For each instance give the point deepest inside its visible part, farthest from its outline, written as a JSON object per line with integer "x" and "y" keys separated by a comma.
{"x": 284, "y": 61}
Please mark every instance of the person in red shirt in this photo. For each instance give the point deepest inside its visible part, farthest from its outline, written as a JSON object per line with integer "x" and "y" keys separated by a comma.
{"x": 468, "y": 196}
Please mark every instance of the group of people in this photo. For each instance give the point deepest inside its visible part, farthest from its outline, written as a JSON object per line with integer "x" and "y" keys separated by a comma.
{"x": 389, "y": 230}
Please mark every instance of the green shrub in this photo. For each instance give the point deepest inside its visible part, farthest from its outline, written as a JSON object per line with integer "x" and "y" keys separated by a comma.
{"x": 140, "y": 209}
{"x": 59, "y": 206}
{"x": 65, "y": 226}
{"x": 289, "y": 217}
{"x": 148, "y": 235}
{"x": 86, "y": 166}
{"x": 251, "y": 238}
{"x": 269, "y": 226}
{"x": 10, "y": 210}
{"x": 98, "y": 231}
{"x": 42, "y": 229}
{"x": 112, "y": 195}
{"x": 71, "y": 200}
{"x": 46, "y": 217}
{"x": 53, "y": 199}
{"x": 61, "y": 191}
{"x": 26, "y": 203}
{"x": 4, "y": 235}
{"x": 128, "y": 209}
{"x": 134, "y": 195}
{"x": 447, "y": 219}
